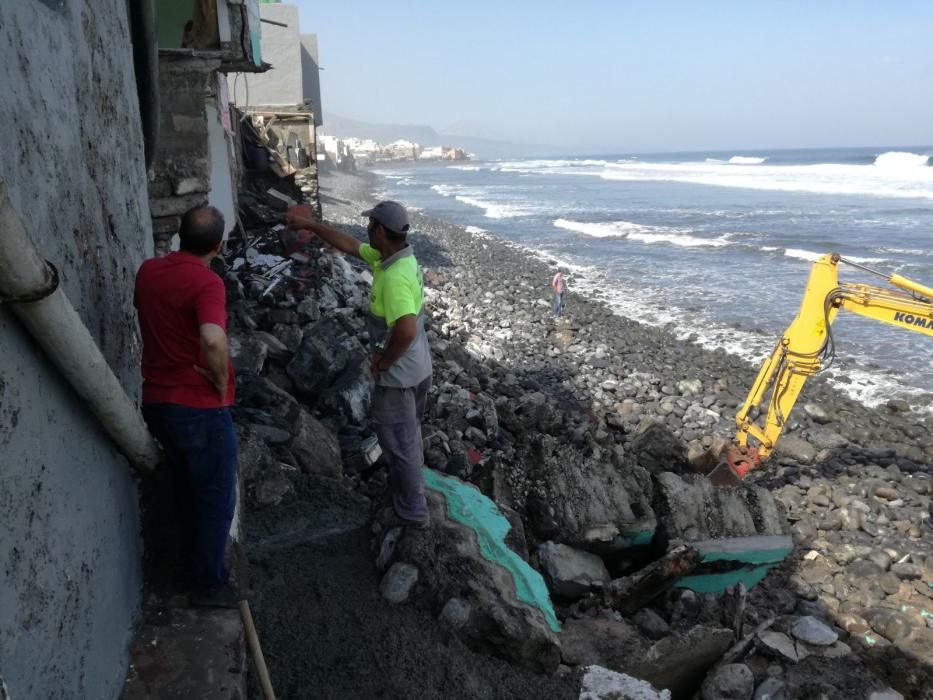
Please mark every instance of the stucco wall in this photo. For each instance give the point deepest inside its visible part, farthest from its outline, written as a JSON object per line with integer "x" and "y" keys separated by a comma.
{"x": 281, "y": 47}
{"x": 72, "y": 157}
{"x": 311, "y": 76}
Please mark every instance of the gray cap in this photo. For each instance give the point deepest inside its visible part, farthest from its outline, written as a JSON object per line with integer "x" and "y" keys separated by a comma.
{"x": 391, "y": 215}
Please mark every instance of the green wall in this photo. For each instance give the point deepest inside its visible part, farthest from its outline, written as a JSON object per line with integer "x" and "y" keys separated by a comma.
{"x": 171, "y": 17}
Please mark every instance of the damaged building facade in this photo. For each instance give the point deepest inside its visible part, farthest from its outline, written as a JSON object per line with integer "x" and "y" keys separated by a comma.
{"x": 75, "y": 171}
{"x": 116, "y": 121}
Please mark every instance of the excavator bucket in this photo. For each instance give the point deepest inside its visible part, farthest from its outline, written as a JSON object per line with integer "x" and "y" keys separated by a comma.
{"x": 726, "y": 463}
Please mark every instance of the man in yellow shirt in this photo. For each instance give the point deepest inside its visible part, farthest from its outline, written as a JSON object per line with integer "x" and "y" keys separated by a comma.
{"x": 401, "y": 361}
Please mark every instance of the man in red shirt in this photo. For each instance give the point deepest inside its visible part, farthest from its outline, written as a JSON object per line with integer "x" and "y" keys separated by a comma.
{"x": 188, "y": 386}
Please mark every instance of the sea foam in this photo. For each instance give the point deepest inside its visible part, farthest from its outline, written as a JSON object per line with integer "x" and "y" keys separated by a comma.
{"x": 641, "y": 233}
{"x": 746, "y": 160}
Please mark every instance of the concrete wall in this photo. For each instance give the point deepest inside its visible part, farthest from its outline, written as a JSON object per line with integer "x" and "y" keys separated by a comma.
{"x": 181, "y": 171}
{"x": 311, "y": 76}
{"x": 281, "y": 47}
{"x": 73, "y": 159}
{"x": 221, "y": 194}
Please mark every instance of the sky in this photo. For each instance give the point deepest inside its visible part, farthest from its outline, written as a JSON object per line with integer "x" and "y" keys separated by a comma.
{"x": 619, "y": 76}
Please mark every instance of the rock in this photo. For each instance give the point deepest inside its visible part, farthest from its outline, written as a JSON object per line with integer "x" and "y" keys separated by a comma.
{"x": 657, "y": 449}
{"x": 780, "y": 645}
{"x": 690, "y": 387}
{"x": 729, "y": 682}
{"x": 886, "y": 694}
{"x": 825, "y": 439}
{"x": 602, "y": 684}
{"x": 570, "y": 573}
{"x": 387, "y": 548}
{"x": 271, "y": 490}
{"x": 603, "y": 640}
{"x": 270, "y": 434}
{"x": 275, "y": 348}
{"x": 584, "y": 501}
{"x": 690, "y": 508}
{"x": 398, "y": 582}
{"x": 651, "y": 624}
{"x": 813, "y": 631}
{"x": 452, "y": 565}
{"x": 455, "y": 613}
{"x": 817, "y": 414}
{"x": 315, "y": 447}
{"x": 898, "y": 406}
{"x": 889, "y": 624}
{"x": 248, "y": 353}
{"x": 679, "y": 662}
{"x": 907, "y": 572}
{"x": 795, "y": 448}
{"x": 771, "y": 689}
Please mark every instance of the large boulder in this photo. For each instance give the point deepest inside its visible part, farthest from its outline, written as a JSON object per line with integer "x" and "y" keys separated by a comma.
{"x": 569, "y": 572}
{"x": 585, "y": 501}
{"x": 500, "y": 604}
{"x": 331, "y": 369}
{"x": 691, "y": 509}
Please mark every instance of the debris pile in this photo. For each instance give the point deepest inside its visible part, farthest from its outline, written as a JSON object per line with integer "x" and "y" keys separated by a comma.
{"x": 580, "y": 432}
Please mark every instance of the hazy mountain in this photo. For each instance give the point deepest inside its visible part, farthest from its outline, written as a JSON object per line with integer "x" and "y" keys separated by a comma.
{"x": 485, "y": 148}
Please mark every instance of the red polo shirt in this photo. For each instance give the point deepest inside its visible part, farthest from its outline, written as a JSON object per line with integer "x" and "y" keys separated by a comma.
{"x": 175, "y": 295}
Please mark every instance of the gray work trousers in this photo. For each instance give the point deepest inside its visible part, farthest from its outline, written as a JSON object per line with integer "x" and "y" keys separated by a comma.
{"x": 396, "y": 415}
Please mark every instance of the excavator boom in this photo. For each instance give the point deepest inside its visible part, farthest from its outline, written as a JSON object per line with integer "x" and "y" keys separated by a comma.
{"x": 804, "y": 348}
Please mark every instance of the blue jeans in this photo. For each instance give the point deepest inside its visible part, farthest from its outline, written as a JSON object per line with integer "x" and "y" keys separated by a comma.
{"x": 558, "y": 303}
{"x": 200, "y": 444}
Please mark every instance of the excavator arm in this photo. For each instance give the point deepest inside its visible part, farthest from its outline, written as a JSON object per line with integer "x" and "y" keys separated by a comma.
{"x": 806, "y": 347}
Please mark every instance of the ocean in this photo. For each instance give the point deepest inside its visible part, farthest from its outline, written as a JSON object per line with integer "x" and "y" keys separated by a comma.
{"x": 717, "y": 246}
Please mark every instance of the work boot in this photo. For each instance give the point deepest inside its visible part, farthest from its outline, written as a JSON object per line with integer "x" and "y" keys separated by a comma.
{"x": 387, "y": 519}
{"x": 223, "y": 596}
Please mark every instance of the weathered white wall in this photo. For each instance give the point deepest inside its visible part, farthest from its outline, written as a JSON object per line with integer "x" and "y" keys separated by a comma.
{"x": 221, "y": 194}
{"x": 281, "y": 47}
{"x": 72, "y": 157}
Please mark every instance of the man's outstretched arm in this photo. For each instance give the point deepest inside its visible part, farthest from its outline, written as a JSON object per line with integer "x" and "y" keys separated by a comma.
{"x": 338, "y": 239}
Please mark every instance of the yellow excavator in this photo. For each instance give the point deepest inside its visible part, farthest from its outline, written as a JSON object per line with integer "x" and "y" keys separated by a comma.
{"x": 806, "y": 348}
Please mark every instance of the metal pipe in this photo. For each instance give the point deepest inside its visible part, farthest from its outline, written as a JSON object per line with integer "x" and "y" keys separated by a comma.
{"x": 29, "y": 286}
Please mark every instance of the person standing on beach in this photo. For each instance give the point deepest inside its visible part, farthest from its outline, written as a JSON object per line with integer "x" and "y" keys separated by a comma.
{"x": 188, "y": 387}
{"x": 559, "y": 286}
{"x": 401, "y": 359}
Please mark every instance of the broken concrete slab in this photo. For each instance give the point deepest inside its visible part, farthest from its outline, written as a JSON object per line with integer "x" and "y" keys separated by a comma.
{"x": 463, "y": 555}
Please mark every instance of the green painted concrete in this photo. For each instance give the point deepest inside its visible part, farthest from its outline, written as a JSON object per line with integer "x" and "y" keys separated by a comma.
{"x": 717, "y": 583}
{"x": 171, "y": 17}
{"x": 467, "y": 505}
{"x": 767, "y": 556}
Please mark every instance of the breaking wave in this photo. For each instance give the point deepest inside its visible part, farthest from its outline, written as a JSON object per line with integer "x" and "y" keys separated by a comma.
{"x": 641, "y": 233}
{"x": 746, "y": 160}
{"x": 900, "y": 160}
